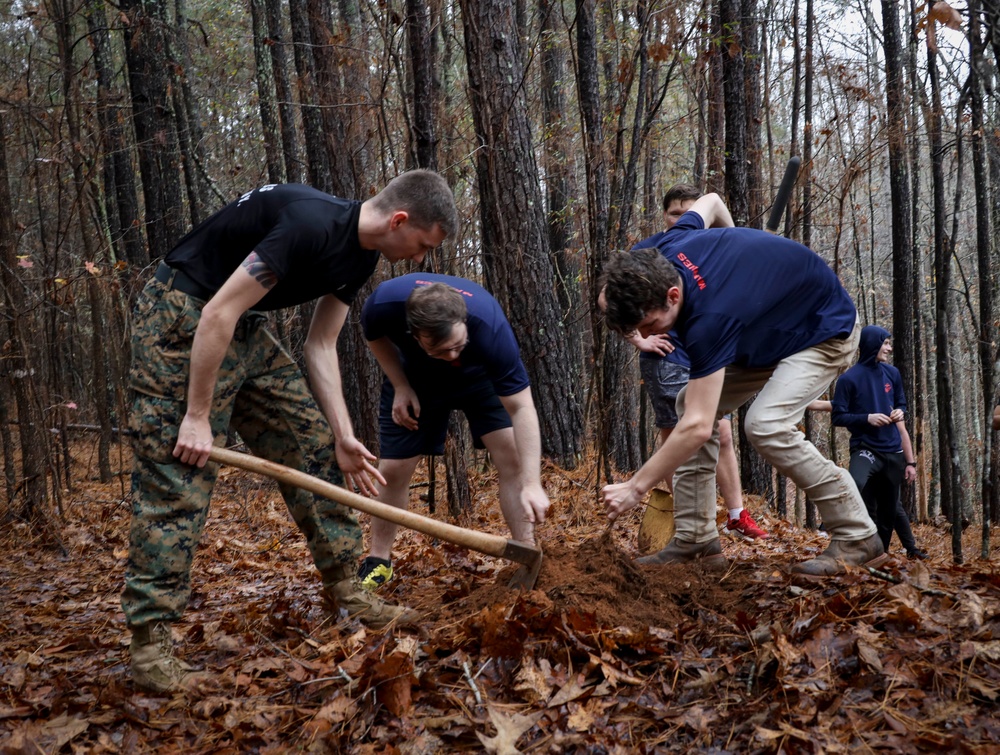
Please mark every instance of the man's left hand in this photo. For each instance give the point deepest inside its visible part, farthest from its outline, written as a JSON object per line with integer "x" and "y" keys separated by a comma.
{"x": 910, "y": 474}
{"x": 355, "y": 461}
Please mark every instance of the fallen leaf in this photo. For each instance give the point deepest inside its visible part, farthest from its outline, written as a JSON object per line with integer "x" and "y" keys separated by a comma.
{"x": 509, "y": 730}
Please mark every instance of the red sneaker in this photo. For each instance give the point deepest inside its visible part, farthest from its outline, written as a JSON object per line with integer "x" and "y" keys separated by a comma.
{"x": 746, "y": 527}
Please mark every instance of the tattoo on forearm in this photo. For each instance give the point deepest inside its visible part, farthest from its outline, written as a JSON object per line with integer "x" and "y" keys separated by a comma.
{"x": 260, "y": 271}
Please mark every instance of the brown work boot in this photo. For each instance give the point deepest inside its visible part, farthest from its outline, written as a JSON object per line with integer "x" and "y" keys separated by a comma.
{"x": 368, "y": 607}
{"x": 154, "y": 666}
{"x": 867, "y": 552}
{"x": 683, "y": 552}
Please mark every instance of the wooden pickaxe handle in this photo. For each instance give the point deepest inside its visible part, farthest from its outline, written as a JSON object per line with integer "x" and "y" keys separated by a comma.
{"x": 483, "y": 542}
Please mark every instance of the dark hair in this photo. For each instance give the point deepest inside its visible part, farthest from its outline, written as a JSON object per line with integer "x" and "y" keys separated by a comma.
{"x": 425, "y": 195}
{"x": 432, "y": 311}
{"x": 680, "y": 193}
{"x": 634, "y": 283}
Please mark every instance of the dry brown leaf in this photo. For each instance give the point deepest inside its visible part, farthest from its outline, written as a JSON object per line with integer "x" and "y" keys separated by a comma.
{"x": 944, "y": 13}
{"x": 572, "y": 690}
{"x": 581, "y": 719}
{"x": 340, "y": 708}
{"x": 869, "y": 656}
{"x": 393, "y": 681}
{"x": 531, "y": 681}
{"x": 509, "y": 730}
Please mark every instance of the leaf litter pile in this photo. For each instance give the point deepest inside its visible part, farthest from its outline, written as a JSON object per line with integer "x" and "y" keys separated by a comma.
{"x": 602, "y": 656}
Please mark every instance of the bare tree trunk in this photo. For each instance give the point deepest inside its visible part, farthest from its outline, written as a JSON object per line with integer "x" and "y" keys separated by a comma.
{"x": 755, "y": 473}
{"x": 715, "y": 157}
{"x": 617, "y": 411}
{"x": 903, "y": 305}
{"x": 806, "y": 180}
{"x": 120, "y": 200}
{"x": 950, "y": 467}
{"x": 423, "y": 126}
{"x": 30, "y": 498}
{"x": 190, "y": 134}
{"x": 155, "y": 123}
{"x": 516, "y": 256}
{"x": 987, "y": 259}
{"x": 290, "y": 146}
{"x": 269, "y": 119}
{"x": 312, "y": 121}
{"x": 558, "y": 181}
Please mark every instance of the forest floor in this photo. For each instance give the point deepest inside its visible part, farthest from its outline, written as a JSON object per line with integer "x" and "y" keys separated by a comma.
{"x": 602, "y": 657}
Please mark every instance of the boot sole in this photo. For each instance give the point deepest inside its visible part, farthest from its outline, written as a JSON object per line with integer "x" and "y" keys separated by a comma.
{"x": 815, "y": 579}
{"x": 714, "y": 563}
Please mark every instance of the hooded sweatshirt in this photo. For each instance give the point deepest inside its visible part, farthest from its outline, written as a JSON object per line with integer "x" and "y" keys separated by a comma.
{"x": 870, "y": 387}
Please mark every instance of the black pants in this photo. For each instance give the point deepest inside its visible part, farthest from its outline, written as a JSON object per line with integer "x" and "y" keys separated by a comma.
{"x": 879, "y": 476}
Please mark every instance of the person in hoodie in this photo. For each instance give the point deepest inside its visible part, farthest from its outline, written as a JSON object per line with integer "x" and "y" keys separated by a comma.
{"x": 869, "y": 401}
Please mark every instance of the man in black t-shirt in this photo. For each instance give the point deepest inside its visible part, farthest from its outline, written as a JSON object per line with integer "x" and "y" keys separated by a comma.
{"x": 203, "y": 361}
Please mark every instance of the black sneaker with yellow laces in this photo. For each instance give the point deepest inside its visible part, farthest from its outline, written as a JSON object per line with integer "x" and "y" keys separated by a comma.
{"x": 374, "y": 572}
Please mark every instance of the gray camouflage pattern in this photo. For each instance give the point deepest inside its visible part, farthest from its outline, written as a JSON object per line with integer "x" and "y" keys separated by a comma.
{"x": 263, "y": 394}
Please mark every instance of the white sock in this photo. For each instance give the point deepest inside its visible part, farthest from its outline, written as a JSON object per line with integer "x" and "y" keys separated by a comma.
{"x": 735, "y": 513}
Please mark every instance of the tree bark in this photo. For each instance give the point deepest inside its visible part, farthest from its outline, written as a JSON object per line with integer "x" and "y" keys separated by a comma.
{"x": 30, "y": 499}
{"x": 290, "y": 146}
{"x": 317, "y": 159}
{"x": 903, "y": 306}
{"x": 120, "y": 199}
{"x": 516, "y": 256}
{"x": 146, "y": 53}
{"x": 613, "y": 358}
{"x": 950, "y": 467}
{"x": 558, "y": 182}
{"x": 266, "y": 98}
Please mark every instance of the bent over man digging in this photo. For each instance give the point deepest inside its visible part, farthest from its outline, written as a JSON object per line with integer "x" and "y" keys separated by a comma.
{"x": 203, "y": 361}
{"x": 444, "y": 343}
{"x": 757, "y": 314}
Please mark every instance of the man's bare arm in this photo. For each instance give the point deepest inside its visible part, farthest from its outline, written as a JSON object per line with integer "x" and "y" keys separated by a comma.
{"x": 713, "y": 211}
{"x": 216, "y": 326}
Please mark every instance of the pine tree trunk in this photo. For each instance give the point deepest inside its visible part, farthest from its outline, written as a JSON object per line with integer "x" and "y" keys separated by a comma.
{"x": 317, "y": 159}
{"x": 120, "y": 200}
{"x": 269, "y": 121}
{"x": 146, "y": 53}
{"x": 613, "y": 359}
{"x": 30, "y": 498}
{"x": 903, "y": 305}
{"x": 516, "y": 257}
{"x": 950, "y": 467}
{"x": 290, "y": 146}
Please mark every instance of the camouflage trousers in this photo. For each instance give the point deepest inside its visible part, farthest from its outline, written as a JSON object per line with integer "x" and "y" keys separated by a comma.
{"x": 264, "y": 396}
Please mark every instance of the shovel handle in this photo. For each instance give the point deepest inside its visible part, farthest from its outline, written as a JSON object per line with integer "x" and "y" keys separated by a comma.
{"x": 491, "y": 545}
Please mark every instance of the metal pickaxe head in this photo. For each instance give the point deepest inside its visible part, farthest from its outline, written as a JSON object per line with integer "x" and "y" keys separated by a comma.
{"x": 530, "y": 559}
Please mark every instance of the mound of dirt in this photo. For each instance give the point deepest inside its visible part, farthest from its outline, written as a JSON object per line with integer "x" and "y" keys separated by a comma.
{"x": 598, "y": 578}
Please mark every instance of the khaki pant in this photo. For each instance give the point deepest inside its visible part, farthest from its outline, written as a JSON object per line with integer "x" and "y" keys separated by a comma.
{"x": 771, "y": 426}
{"x": 264, "y": 396}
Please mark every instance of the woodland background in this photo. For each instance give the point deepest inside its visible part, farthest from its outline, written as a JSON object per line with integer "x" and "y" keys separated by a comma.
{"x": 559, "y": 125}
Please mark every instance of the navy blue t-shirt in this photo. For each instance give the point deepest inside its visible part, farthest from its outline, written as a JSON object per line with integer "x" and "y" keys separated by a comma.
{"x": 309, "y": 239}
{"x": 751, "y": 298}
{"x": 870, "y": 387}
{"x": 491, "y": 353}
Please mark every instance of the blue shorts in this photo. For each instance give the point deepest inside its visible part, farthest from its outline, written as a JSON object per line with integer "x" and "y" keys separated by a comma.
{"x": 663, "y": 380}
{"x": 478, "y": 401}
